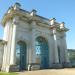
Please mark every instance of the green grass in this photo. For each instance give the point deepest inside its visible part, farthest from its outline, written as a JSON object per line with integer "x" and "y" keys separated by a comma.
{"x": 4, "y": 73}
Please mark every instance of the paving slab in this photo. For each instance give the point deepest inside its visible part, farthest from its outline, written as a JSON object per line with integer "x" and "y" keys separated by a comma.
{"x": 67, "y": 71}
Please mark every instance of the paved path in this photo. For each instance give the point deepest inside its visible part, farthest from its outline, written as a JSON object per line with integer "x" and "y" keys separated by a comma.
{"x": 67, "y": 71}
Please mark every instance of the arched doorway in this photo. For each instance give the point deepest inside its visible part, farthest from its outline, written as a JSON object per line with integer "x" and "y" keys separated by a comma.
{"x": 42, "y": 50}
{"x": 21, "y": 55}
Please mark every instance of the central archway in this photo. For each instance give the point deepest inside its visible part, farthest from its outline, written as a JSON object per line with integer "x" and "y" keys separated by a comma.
{"x": 42, "y": 50}
{"x": 21, "y": 55}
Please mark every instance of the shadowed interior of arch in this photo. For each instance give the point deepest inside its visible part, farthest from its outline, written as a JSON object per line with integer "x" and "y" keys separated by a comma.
{"x": 21, "y": 55}
{"x": 42, "y": 51}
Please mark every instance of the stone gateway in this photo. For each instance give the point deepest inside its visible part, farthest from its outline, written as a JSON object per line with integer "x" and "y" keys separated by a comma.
{"x": 32, "y": 42}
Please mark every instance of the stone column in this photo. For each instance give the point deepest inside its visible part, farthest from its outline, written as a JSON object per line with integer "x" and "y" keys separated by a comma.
{"x": 55, "y": 47}
{"x": 33, "y": 24}
{"x": 7, "y": 46}
{"x": 66, "y": 51}
{"x": 4, "y": 63}
{"x": 12, "y": 57}
{"x": 33, "y": 49}
{"x": 13, "y": 43}
{"x": 66, "y": 59}
{"x": 56, "y": 63}
{"x": 33, "y": 42}
{"x": 53, "y": 26}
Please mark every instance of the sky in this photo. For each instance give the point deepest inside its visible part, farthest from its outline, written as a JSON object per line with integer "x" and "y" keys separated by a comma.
{"x": 62, "y": 10}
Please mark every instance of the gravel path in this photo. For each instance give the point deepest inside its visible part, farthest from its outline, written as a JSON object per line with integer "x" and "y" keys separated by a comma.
{"x": 70, "y": 71}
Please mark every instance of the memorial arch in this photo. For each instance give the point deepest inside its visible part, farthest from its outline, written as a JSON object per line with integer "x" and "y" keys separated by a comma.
{"x": 38, "y": 51}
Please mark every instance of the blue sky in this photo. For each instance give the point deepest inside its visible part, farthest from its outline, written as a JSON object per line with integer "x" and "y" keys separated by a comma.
{"x": 62, "y": 10}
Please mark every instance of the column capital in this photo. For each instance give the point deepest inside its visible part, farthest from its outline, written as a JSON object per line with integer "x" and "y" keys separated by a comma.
{"x": 52, "y": 21}
{"x": 15, "y": 20}
{"x": 54, "y": 30}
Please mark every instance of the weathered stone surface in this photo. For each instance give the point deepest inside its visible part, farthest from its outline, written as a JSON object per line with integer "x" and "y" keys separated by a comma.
{"x": 22, "y": 26}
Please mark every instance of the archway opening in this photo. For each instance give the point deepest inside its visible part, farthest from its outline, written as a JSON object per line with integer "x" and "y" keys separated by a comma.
{"x": 42, "y": 50}
{"x": 21, "y": 55}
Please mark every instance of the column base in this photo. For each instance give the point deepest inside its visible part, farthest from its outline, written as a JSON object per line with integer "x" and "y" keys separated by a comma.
{"x": 67, "y": 65}
{"x": 73, "y": 64}
{"x": 35, "y": 66}
{"x": 55, "y": 66}
{"x": 14, "y": 68}
{"x": 5, "y": 68}
{"x": 10, "y": 68}
{"x": 0, "y": 68}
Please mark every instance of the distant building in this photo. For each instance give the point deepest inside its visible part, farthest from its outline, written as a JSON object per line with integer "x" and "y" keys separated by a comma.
{"x": 30, "y": 39}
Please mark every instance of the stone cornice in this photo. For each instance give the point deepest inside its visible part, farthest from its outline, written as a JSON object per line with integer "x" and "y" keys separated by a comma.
{"x": 23, "y": 15}
{"x": 11, "y": 15}
{"x": 62, "y": 30}
{"x": 42, "y": 25}
{"x": 29, "y": 17}
{"x": 57, "y": 27}
{"x": 3, "y": 41}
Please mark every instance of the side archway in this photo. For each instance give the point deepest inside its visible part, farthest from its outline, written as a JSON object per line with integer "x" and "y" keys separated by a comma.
{"x": 21, "y": 52}
{"x": 42, "y": 50}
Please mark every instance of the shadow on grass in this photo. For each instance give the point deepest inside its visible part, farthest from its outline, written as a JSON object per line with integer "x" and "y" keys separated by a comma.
{"x": 4, "y": 73}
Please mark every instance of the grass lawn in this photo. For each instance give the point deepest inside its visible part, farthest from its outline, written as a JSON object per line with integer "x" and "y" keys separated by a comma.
{"x": 4, "y": 73}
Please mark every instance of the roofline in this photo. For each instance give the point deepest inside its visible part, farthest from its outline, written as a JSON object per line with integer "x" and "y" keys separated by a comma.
{"x": 24, "y": 12}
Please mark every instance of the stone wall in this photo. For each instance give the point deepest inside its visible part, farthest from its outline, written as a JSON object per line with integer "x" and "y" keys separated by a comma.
{"x": 1, "y": 55}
